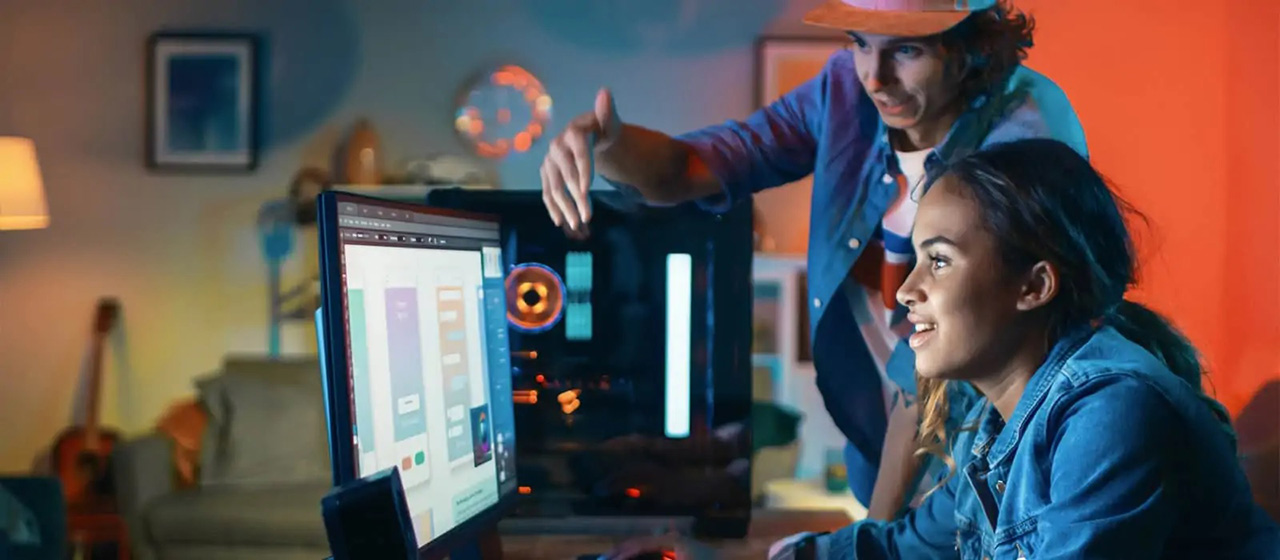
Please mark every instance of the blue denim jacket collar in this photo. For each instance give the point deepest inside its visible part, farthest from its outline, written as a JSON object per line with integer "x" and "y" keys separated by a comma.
{"x": 964, "y": 136}
{"x": 997, "y": 438}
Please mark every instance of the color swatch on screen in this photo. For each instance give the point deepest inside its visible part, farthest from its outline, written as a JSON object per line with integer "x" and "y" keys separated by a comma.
{"x": 455, "y": 370}
{"x": 404, "y": 358}
{"x": 360, "y": 370}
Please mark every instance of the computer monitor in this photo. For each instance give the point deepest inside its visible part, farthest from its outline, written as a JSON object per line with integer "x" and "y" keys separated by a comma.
{"x": 416, "y": 359}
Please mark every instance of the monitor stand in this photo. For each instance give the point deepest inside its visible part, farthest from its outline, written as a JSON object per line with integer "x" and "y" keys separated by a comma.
{"x": 486, "y": 546}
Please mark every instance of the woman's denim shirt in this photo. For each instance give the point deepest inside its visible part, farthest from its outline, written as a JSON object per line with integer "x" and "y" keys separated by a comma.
{"x": 1107, "y": 455}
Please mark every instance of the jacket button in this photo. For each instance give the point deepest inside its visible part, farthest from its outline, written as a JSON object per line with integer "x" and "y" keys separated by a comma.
{"x": 887, "y": 178}
{"x": 854, "y": 243}
{"x": 1000, "y": 486}
{"x": 817, "y": 302}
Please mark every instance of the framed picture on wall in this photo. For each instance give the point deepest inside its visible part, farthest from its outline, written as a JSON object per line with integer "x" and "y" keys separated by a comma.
{"x": 202, "y": 102}
{"x": 782, "y": 63}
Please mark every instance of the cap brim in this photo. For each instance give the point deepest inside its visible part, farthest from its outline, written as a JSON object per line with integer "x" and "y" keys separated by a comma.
{"x": 835, "y": 14}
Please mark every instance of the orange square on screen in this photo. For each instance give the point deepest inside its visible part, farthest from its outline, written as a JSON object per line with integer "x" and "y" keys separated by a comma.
{"x": 406, "y": 463}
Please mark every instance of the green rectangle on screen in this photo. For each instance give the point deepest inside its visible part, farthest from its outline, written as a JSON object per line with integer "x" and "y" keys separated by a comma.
{"x": 360, "y": 370}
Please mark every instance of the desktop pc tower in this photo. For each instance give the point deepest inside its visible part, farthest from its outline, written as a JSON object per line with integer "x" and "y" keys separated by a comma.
{"x": 630, "y": 365}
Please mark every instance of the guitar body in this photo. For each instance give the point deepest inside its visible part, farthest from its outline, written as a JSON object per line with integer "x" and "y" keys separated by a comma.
{"x": 84, "y": 467}
{"x": 82, "y": 454}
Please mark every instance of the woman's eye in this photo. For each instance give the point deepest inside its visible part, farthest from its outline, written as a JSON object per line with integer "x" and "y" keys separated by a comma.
{"x": 936, "y": 263}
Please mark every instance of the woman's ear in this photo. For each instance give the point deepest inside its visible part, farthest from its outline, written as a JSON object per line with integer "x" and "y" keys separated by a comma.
{"x": 1039, "y": 287}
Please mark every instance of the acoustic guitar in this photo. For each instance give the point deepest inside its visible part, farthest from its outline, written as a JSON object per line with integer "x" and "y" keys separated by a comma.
{"x": 81, "y": 454}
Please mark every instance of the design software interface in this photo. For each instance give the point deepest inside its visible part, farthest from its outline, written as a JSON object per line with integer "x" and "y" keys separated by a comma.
{"x": 428, "y": 356}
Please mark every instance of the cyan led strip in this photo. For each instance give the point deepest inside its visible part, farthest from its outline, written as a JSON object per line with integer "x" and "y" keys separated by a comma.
{"x": 679, "y": 319}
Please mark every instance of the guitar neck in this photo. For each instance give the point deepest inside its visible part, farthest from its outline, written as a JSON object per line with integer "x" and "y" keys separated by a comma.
{"x": 91, "y": 429}
{"x": 103, "y": 320}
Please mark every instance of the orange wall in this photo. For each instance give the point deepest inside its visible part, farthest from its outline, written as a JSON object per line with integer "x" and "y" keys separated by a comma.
{"x": 1181, "y": 104}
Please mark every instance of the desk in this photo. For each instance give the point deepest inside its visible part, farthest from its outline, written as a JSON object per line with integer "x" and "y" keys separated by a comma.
{"x": 809, "y": 495}
{"x": 767, "y": 526}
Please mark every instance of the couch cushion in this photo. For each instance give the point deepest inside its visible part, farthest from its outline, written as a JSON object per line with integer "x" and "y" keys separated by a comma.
{"x": 284, "y": 515}
{"x": 266, "y": 423}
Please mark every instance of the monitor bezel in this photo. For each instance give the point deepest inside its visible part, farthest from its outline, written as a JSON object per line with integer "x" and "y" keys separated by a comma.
{"x": 338, "y": 409}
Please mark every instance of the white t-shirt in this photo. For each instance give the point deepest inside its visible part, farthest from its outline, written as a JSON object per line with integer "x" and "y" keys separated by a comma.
{"x": 891, "y": 248}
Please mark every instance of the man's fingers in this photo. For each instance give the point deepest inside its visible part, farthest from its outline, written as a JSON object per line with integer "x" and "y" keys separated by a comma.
{"x": 548, "y": 185}
{"x": 558, "y": 196}
{"x": 561, "y": 155}
{"x": 580, "y": 148}
{"x": 564, "y": 160}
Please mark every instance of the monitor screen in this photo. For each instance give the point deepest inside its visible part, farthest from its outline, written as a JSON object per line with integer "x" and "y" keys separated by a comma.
{"x": 421, "y": 377}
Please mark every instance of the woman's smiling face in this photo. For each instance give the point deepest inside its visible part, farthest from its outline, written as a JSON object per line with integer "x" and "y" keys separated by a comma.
{"x": 964, "y": 302}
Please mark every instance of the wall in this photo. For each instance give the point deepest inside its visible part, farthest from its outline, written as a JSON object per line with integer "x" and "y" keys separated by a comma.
{"x": 1180, "y": 102}
{"x": 1179, "y": 99}
{"x": 181, "y": 251}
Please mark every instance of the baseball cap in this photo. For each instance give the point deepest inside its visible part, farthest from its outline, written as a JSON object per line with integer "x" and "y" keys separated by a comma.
{"x": 899, "y": 18}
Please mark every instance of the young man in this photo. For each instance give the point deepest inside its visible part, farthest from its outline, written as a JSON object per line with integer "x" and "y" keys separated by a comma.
{"x": 924, "y": 81}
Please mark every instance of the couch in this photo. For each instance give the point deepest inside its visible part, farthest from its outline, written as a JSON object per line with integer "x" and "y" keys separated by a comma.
{"x": 263, "y": 467}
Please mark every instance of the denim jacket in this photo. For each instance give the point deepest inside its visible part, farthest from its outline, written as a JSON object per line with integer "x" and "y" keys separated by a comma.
{"x": 828, "y": 127}
{"x": 1106, "y": 455}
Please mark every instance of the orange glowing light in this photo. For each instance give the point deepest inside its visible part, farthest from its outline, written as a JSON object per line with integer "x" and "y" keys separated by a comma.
{"x": 532, "y": 95}
{"x": 536, "y": 287}
{"x": 525, "y": 490}
{"x": 633, "y": 492}
{"x": 540, "y": 378}
{"x": 569, "y": 396}
{"x": 524, "y": 141}
{"x": 525, "y": 397}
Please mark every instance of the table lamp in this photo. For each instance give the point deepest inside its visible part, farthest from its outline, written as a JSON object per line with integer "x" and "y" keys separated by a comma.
{"x": 22, "y": 204}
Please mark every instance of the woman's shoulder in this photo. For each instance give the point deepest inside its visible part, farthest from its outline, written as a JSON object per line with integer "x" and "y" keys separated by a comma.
{"x": 1112, "y": 377}
{"x": 1106, "y": 357}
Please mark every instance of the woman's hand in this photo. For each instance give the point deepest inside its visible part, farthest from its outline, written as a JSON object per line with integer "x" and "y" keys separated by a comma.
{"x": 898, "y": 461}
{"x": 788, "y": 547}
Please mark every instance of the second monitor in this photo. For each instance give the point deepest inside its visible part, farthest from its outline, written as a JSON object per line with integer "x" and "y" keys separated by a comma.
{"x": 418, "y": 366}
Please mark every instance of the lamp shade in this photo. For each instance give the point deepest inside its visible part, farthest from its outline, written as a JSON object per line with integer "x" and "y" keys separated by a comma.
{"x": 22, "y": 204}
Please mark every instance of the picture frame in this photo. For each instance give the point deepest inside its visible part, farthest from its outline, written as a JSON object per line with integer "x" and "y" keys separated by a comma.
{"x": 777, "y": 321}
{"x": 202, "y": 101}
{"x": 783, "y": 63}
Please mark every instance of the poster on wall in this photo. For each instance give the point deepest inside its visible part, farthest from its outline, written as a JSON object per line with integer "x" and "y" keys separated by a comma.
{"x": 782, "y": 64}
{"x": 202, "y": 102}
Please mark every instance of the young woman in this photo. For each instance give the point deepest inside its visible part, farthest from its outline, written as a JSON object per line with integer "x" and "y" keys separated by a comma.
{"x": 1094, "y": 438}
